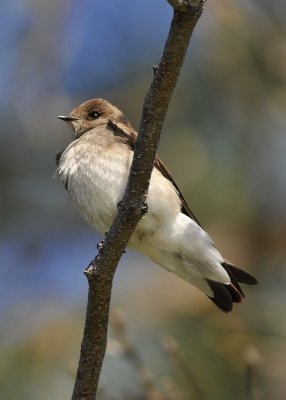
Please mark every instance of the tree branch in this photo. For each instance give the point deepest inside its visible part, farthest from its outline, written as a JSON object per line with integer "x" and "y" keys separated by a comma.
{"x": 185, "y": 5}
{"x": 133, "y": 206}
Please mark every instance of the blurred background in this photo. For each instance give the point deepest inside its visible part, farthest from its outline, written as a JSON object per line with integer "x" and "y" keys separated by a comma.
{"x": 224, "y": 141}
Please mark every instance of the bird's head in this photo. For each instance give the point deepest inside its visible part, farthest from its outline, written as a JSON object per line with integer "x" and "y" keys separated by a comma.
{"x": 91, "y": 114}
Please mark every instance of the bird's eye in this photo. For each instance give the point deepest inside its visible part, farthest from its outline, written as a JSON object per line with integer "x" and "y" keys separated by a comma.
{"x": 94, "y": 114}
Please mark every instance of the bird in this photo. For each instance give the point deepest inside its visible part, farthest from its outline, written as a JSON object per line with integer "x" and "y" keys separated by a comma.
{"x": 94, "y": 169}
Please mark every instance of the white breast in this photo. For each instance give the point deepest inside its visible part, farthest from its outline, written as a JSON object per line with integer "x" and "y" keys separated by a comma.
{"x": 94, "y": 178}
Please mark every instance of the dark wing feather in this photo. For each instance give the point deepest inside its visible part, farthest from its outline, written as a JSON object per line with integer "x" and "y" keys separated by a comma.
{"x": 124, "y": 132}
{"x": 166, "y": 173}
{"x": 223, "y": 295}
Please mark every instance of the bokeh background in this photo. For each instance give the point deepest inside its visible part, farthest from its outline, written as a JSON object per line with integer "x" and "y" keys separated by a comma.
{"x": 224, "y": 140}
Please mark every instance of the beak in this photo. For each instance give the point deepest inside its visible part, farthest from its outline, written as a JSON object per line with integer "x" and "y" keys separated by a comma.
{"x": 68, "y": 118}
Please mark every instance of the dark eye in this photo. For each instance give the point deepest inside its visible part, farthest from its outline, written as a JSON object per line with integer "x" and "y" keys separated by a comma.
{"x": 94, "y": 114}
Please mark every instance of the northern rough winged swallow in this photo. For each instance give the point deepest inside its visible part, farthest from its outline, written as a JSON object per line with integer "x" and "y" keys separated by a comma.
{"x": 94, "y": 170}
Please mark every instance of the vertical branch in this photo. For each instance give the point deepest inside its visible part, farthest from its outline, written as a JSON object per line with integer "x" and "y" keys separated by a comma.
{"x": 133, "y": 206}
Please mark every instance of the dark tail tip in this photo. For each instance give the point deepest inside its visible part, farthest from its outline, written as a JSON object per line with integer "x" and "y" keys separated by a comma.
{"x": 225, "y": 295}
{"x": 239, "y": 274}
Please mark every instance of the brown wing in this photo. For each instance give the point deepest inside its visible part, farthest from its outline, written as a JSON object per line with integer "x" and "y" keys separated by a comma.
{"x": 166, "y": 173}
{"x": 124, "y": 132}
{"x": 127, "y": 134}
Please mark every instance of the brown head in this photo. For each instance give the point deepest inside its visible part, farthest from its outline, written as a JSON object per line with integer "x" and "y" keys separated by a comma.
{"x": 91, "y": 114}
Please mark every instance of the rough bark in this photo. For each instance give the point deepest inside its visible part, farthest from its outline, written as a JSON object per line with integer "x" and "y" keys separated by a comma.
{"x": 133, "y": 206}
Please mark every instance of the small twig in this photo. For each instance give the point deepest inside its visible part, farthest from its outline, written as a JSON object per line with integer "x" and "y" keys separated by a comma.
{"x": 170, "y": 388}
{"x": 130, "y": 353}
{"x": 171, "y": 347}
{"x": 252, "y": 361}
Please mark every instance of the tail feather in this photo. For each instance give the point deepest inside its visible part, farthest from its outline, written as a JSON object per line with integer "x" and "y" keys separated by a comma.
{"x": 239, "y": 274}
{"x": 225, "y": 295}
